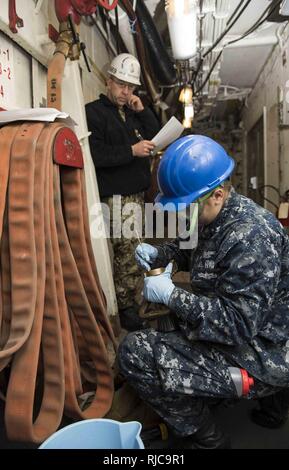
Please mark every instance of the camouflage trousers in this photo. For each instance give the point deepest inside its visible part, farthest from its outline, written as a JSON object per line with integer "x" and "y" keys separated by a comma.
{"x": 126, "y": 273}
{"x": 177, "y": 378}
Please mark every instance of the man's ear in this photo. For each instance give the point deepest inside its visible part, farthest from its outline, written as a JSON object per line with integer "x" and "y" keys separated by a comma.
{"x": 219, "y": 194}
{"x": 108, "y": 82}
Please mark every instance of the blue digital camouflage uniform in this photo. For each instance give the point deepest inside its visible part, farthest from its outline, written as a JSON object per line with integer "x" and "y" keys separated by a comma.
{"x": 236, "y": 315}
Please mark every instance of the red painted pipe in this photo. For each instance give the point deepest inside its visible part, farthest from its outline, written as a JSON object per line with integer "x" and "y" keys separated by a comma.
{"x": 85, "y": 7}
{"x": 63, "y": 9}
{"x": 78, "y": 8}
{"x": 105, "y": 4}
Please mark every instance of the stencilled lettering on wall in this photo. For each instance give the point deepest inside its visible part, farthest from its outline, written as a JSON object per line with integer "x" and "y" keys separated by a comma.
{"x": 6, "y": 74}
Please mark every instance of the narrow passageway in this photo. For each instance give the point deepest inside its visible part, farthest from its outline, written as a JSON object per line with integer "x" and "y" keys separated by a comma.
{"x": 235, "y": 422}
{"x": 244, "y": 434}
{"x": 108, "y": 107}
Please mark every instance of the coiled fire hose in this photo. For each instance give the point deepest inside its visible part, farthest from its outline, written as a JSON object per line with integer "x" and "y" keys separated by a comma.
{"x": 53, "y": 321}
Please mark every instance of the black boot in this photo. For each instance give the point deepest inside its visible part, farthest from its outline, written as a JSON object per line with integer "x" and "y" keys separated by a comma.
{"x": 208, "y": 437}
{"x": 130, "y": 320}
{"x": 273, "y": 410}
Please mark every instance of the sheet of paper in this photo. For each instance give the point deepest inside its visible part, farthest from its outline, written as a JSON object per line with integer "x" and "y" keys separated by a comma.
{"x": 283, "y": 210}
{"x": 168, "y": 134}
{"x": 35, "y": 114}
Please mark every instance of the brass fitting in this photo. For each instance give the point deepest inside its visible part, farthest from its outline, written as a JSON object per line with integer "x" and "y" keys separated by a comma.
{"x": 155, "y": 272}
{"x": 65, "y": 44}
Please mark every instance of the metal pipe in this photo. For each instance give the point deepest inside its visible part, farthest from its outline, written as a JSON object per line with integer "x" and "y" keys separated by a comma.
{"x": 103, "y": 34}
{"x": 57, "y": 65}
{"x": 163, "y": 65}
{"x": 254, "y": 42}
{"x": 141, "y": 53}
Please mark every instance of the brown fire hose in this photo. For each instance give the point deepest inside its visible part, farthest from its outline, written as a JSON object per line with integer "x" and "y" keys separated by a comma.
{"x": 50, "y": 290}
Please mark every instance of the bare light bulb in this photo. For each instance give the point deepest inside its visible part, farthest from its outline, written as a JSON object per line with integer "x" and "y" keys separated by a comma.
{"x": 186, "y": 95}
{"x": 187, "y": 123}
{"x": 189, "y": 112}
{"x": 182, "y": 23}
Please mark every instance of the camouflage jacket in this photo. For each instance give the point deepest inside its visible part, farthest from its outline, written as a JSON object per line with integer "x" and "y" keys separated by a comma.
{"x": 239, "y": 302}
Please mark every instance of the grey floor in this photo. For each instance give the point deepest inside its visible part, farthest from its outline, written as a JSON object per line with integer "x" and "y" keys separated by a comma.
{"x": 233, "y": 420}
{"x": 247, "y": 435}
{"x": 244, "y": 434}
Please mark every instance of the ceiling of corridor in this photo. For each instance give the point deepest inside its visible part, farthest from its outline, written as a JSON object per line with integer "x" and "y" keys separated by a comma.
{"x": 242, "y": 61}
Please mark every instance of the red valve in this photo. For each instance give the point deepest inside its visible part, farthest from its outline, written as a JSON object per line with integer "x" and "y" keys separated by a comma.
{"x": 63, "y": 9}
{"x": 78, "y": 8}
{"x": 85, "y": 7}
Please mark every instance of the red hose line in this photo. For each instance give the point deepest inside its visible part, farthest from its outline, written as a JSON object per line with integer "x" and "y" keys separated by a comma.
{"x": 105, "y": 4}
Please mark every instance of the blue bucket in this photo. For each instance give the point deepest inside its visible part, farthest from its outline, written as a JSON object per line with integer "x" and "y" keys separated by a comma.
{"x": 96, "y": 434}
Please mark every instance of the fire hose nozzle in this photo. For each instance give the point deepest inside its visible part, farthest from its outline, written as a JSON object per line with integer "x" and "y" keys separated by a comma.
{"x": 242, "y": 381}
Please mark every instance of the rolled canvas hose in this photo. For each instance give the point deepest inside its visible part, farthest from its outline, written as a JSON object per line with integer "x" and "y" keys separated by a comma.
{"x": 51, "y": 295}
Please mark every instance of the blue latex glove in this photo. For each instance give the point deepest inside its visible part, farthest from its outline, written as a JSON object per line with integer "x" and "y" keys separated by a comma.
{"x": 158, "y": 289}
{"x": 145, "y": 255}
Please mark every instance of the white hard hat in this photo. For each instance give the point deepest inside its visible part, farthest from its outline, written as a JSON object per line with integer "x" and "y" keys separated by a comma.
{"x": 125, "y": 67}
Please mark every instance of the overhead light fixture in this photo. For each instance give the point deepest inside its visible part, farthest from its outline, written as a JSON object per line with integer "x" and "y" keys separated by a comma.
{"x": 284, "y": 8}
{"x": 182, "y": 22}
{"x": 189, "y": 114}
{"x": 186, "y": 95}
{"x": 189, "y": 111}
{"x": 187, "y": 123}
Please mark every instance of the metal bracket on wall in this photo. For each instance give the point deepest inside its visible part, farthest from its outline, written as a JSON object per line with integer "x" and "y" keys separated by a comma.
{"x": 14, "y": 19}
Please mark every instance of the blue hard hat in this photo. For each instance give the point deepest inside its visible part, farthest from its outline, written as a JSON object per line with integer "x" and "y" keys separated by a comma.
{"x": 190, "y": 168}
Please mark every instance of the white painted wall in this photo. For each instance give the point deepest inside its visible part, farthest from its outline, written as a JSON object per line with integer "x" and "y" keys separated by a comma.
{"x": 75, "y": 107}
{"x": 23, "y": 84}
{"x": 15, "y": 73}
{"x": 272, "y": 80}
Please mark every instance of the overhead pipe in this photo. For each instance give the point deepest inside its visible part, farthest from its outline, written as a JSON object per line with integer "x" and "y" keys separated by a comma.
{"x": 57, "y": 65}
{"x": 163, "y": 65}
{"x": 140, "y": 47}
{"x": 105, "y": 4}
{"x": 123, "y": 29}
{"x": 78, "y": 8}
{"x": 69, "y": 13}
{"x": 75, "y": 9}
{"x": 254, "y": 42}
